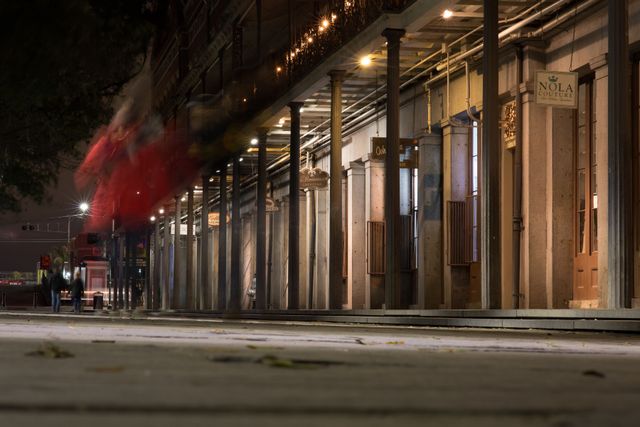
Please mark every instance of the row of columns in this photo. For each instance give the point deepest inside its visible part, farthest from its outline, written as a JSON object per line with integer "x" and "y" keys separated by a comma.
{"x": 392, "y": 212}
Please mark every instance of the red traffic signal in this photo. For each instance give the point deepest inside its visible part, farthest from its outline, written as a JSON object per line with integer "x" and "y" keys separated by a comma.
{"x": 45, "y": 262}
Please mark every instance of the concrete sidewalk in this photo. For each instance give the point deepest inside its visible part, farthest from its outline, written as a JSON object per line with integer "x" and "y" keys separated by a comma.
{"x": 627, "y": 320}
{"x": 61, "y": 370}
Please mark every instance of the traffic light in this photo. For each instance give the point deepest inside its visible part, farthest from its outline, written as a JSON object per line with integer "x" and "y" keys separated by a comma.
{"x": 45, "y": 262}
{"x": 28, "y": 227}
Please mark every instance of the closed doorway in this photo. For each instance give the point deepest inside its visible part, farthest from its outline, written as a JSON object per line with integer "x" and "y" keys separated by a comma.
{"x": 585, "y": 280}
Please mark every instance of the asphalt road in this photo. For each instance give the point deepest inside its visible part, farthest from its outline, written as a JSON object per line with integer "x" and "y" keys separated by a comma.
{"x": 67, "y": 372}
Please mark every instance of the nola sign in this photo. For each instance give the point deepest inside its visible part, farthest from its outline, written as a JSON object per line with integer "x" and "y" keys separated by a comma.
{"x": 557, "y": 89}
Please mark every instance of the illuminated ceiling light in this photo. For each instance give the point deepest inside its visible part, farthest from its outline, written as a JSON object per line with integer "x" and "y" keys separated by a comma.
{"x": 249, "y": 150}
{"x": 447, "y": 14}
{"x": 282, "y": 120}
{"x": 333, "y": 17}
{"x": 138, "y": 193}
{"x": 320, "y": 29}
{"x": 240, "y": 159}
{"x": 302, "y": 109}
{"x": 84, "y": 206}
{"x": 244, "y": 99}
{"x": 228, "y": 165}
{"x": 183, "y": 199}
{"x": 152, "y": 219}
{"x": 278, "y": 69}
{"x": 310, "y": 39}
{"x": 254, "y": 141}
{"x": 161, "y": 211}
{"x": 325, "y": 23}
{"x": 365, "y": 61}
{"x": 218, "y": 171}
{"x": 211, "y": 179}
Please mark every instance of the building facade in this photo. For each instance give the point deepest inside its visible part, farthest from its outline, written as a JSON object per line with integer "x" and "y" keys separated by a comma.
{"x": 401, "y": 154}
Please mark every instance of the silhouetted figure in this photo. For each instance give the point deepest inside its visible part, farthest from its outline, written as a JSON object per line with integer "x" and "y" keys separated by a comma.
{"x": 77, "y": 291}
{"x": 58, "y": 284}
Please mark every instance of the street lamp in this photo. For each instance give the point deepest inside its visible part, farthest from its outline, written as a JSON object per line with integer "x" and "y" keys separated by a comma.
{"x": 84, "y": 207}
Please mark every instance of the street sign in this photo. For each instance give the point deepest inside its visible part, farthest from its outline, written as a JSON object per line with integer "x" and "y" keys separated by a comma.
{"x": 214, "y": 219}
{"x": 557, "y": 89}
{"x": 408, "y": 152}
{"x": 314, "y": 179}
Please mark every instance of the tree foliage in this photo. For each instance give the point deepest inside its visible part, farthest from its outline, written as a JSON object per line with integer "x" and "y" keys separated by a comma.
{"x": 62, "y": 63}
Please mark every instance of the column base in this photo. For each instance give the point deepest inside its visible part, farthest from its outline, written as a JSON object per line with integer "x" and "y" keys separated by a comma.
{"x": 584, "y": 303}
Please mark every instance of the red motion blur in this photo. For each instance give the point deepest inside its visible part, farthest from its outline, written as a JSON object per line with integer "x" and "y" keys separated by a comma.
{"x": 134, "y": 174}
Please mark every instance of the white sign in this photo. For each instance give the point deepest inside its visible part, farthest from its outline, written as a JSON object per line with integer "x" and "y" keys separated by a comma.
{"x": 183, "y": 229}
{"x": 557, "y": 89}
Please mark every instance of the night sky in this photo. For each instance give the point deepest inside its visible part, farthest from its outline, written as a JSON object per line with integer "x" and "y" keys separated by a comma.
{"x": 18, "y": 253}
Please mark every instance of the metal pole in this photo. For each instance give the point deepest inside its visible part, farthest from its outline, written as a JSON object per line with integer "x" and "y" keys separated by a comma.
{"x": 157, "y": 291}
{"x": 236, "y": 223}
{"x": 335, "y": 194}
{"x": 261, "y": 238}
{"x": 620, "y": 209}
{"x": 190, "y": 294}
{"x": 392, "y": 284}
{"x": 205, "y": 296}
{"x": 490, "y": 163}
{"x": 165, "y": 260}
{"x": 222, "y": 241}
{"x": 517, "y": 182}
{"x": 177, "y": 256}
{"x": 294, "y": 208}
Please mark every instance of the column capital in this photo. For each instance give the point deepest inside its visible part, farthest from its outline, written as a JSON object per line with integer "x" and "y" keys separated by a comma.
{"x": 598, "y": 62}
{"x": 393, "y": 34}
{"x": 295, "y": 107}
{"x": 262, "y": 132}
{"x": 337, "y": 75}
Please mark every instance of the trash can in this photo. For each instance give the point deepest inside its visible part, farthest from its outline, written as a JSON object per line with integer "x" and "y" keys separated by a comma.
{"x": 98, "y": 301}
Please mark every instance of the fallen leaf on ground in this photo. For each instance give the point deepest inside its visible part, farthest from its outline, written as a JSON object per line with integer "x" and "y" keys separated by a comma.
{"x": 360, "y": 341}
{"x": 103, "y": 341}
{"x": 593, "y": 373}
{"x": 51, "y": 351}
{"x": 395, "y": 342}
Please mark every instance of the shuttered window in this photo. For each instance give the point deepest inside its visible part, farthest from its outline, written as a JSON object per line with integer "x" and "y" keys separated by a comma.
{"x": 376, "y": 247}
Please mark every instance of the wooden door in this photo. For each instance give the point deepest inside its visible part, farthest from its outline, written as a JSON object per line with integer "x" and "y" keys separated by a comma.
{"x": 585, "y": 282}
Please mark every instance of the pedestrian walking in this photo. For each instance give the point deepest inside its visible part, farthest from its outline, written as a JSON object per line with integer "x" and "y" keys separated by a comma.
{"x": 77, "y": 292}
{"x": 58, "y": 284}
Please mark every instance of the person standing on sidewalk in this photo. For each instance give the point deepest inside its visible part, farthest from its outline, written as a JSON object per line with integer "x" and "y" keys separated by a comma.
{"x": 58, "y": 284}
{"x": 77, "y": 291}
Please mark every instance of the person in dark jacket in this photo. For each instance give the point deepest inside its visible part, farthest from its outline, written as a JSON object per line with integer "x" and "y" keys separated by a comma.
{"x": 77, "y": 291}
{"x": 58, "y": 284}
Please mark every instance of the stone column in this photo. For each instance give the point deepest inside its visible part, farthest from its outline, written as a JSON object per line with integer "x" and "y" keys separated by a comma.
{"x": 261, "y": 222}
{"x": 620, "y": 186}
{"x": 205, "y": 303}
{"x": 189, "y": 283}
{"x": 222, "y": 241}
{"x": 177, "y": 256}
{"x": 294, "y": 208}
{"x": 374, "y": 211}
{"x": 357, "y": 236}
{"x": 157, "y": 272}
{"x": 166, "y": 260}
{"x": 457, "y": 289}
{"x": 430, "y": 222}
{"x": 392, "y": 283}
{"x": 236, "y": 229}
{"x": 335, "y": 193}
{"x": 490, "y": 163}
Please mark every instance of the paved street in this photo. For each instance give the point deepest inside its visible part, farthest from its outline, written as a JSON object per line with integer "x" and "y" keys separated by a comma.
{"x": 66, "y": 371}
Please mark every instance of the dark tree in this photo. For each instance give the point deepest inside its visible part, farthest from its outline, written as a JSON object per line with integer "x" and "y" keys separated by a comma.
{"x": 61, "y": 64}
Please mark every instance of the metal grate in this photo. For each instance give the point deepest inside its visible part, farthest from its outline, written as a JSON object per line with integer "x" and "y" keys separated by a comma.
{"x": 456, "y": 233}
{"x": 376, "y": 252}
